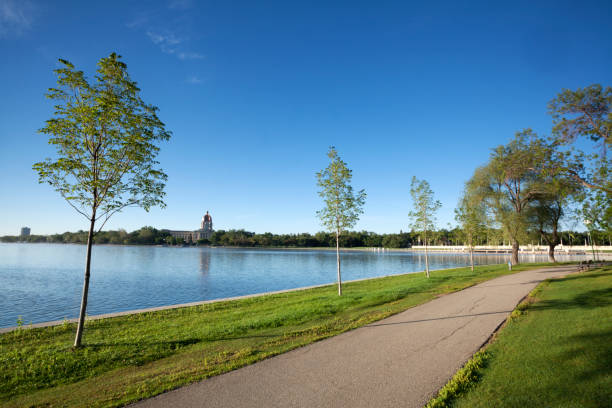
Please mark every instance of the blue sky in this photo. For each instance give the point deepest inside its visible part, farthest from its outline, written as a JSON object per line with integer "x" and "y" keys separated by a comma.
{"x": 255, "y": 92}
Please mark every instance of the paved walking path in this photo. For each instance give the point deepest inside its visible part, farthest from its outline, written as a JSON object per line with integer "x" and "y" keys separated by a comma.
{"x": 401, "y": 361}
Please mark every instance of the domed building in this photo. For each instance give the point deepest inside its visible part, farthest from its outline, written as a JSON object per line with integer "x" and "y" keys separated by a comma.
{"x": 205, "y": 231}
{"x": 206, "y": 224}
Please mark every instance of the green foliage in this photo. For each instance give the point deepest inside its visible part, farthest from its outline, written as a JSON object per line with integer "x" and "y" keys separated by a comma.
{"x": 557, "y": 191}
{"x": 586, "y": 112}
{"x": 510, "y": 182}
{"x": 424, "y": 207}
{"x": 423, "y": 216}
{"x": 105, "y": 137}
{"x": 143, "y": 236}
{"x": 342, "y": 206}
{"x": 597, "y": 209}
{"x": 322, "y": 239}
{"x": 471, "y": 215}
{"x": 461, "y": 382}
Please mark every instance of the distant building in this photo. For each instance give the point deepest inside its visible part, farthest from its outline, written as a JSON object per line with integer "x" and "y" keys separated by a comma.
{"x": 25, "y": 232}
{"x": 205, "y": 231}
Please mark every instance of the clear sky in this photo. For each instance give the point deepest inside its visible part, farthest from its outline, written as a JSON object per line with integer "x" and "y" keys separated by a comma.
{"x": 255, "y": 92}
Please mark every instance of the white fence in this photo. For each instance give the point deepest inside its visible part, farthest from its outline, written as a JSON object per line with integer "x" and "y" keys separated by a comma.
{"x": 523, "y": 248}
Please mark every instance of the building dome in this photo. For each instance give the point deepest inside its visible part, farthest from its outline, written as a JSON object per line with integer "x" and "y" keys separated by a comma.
{"x": 206, "y": 223}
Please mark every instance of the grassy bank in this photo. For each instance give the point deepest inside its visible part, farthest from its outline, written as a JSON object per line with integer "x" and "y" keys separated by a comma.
{"x": 555, "y": 351}
{"x": 132, "y": 357}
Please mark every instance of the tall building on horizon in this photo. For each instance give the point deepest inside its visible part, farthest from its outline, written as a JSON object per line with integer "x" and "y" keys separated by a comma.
{"x": 25, "y": 232}
{"x": 206, "y": 225}
{"x": 205, "y": 231}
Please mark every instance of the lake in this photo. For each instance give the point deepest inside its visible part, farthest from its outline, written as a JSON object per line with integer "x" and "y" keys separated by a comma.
{"x": 43, "y": 282}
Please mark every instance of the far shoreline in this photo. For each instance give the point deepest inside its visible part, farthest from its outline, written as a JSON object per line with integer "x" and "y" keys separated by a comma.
{"x": 454, "y": 249}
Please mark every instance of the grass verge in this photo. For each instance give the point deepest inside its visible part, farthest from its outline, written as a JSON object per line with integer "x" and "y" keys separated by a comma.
{"x": 554, "y": 351}
{"x": 128, "y": 358}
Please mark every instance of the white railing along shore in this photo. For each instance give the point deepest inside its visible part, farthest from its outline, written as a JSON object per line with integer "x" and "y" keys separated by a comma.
{"x": 523, "y": 248}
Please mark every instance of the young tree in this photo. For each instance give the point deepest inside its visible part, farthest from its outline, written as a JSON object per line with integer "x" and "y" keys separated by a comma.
{"x": 105, "y": 137}
{"x": 598, "y": 209}
{"x": 471, "y": 216}
{"x": 342, "y": 206}
{"x": 423, "y": 217}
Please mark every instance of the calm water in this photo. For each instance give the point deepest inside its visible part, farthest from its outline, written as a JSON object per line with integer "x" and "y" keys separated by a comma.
{"x": 43, "y": 282}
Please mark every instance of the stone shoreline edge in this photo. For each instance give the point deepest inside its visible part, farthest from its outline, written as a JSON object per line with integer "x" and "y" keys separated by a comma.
{"x": 200, "y": 302}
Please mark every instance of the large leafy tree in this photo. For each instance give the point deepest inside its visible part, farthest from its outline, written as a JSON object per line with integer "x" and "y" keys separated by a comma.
{"x": 549, "y": 207}
{"x": 106, "y": 141}
{"x": 423, "y": 215}
{"x": 510, "y": 182}
{"x": 586, "y": 113}
{"x": 342, "y": 206}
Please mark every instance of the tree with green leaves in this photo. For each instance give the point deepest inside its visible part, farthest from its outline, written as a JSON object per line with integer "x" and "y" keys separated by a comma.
{"x": 510, "y": 182}
{"x": 596, "y": 214}
{"x": 586, "y": 112}
{"x": 423, "y": 216}
{"x": 342, "y": 206}
{"x": 106, "y": 142}
{"x": 471, "y": 215}
{"x": 557, "y": 190}
{"x": 598, "y": 209}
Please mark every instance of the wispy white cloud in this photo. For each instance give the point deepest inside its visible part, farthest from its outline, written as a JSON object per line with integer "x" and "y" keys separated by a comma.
{"x": 16, "y": 16}
{"x": 164, "y": 40}
{"x": 168, "y": 30}
{"x": 180, "y": 4}
{"x": 138, "y": 21}
{"x": 189, "y": 55}
{"x": 173, "y": 45}
{"x": 194, "y": 80}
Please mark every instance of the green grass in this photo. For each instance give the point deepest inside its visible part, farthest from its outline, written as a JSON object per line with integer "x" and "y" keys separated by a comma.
{"x": 555, "y": 351}
{"x": 128, "y": 358}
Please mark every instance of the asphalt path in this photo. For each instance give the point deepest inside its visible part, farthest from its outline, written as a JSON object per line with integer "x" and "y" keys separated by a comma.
{"x": 401, "y": 361}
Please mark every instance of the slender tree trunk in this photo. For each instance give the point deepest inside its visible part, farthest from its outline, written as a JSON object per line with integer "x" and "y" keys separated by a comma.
{"x": 515, "y": 248}
{"x": 592, "y": 246}
{"x": 338, "y": 262}
{"x": 472, "y": 257}
{"x": 551, "y": 253}
{"x": 426, "y": 257}
{"x": 79, "y": 333}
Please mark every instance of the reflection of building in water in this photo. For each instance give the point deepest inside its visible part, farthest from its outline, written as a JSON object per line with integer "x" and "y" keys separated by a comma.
{"x": 205, "y": 231}
{"x": 204, "y": 261}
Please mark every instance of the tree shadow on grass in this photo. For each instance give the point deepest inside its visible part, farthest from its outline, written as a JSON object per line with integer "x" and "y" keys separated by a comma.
{"x": 585, "y": 275}
{"x": 439, "y": 318}
{"x": 165, "y": 344}
{"x": 586, "y": 372}
{"x": 597, "y": 345}
{"x": 586, "y": 300}
{"x": 178, "y": 343}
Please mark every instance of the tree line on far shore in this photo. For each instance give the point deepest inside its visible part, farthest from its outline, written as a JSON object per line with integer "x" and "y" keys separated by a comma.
{"x": 351, "y": 239}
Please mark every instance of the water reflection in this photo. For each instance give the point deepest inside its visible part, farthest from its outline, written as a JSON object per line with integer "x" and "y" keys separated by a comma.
{"x": 204, "y": 261}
